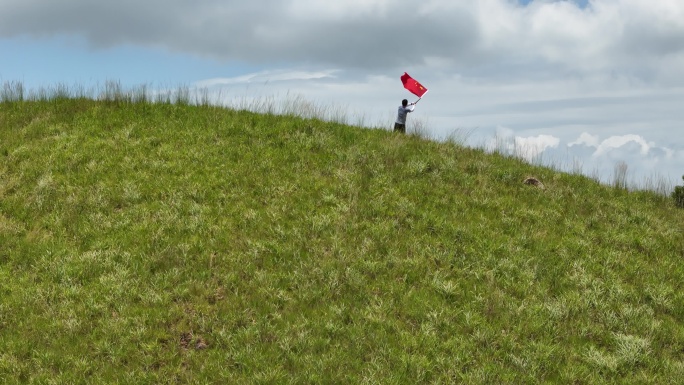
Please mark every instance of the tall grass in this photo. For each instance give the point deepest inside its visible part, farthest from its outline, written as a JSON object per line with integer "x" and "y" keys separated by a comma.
{"x": 620, "y": 175}
{"x": 12, "y": 91}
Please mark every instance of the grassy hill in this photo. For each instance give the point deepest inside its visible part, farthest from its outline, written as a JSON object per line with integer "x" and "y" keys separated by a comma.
{"x": 171, "y": 243}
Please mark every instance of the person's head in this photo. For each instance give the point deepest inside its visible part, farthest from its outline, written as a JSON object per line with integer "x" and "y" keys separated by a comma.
{"x": 404, "y": 102}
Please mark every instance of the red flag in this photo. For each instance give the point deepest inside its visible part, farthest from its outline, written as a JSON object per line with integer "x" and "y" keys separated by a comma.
{"x": 413, "y": 86}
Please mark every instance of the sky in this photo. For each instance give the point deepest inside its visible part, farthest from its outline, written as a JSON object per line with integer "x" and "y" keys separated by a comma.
{"x": 585, "y": 86}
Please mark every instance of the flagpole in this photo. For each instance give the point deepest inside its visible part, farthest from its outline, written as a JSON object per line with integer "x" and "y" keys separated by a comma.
{"x": 421, "y": 97}
{"x": 416, "y": 102}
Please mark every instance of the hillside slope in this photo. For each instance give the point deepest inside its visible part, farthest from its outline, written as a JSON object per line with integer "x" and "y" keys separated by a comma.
{"x": 144, "y": 243}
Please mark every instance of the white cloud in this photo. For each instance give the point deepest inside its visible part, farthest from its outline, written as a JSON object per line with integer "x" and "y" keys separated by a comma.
{"x": 647, "y": 161}
{"x": 619, "y": 141}
{"x": 531, "y": 147}
{"x": 587, "y": 140}
{"x": 267, "y": 76}
{"x": 528, "y": 148}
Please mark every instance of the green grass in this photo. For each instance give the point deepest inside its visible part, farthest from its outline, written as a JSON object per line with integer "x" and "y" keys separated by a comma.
{"x": 176, "y": 243}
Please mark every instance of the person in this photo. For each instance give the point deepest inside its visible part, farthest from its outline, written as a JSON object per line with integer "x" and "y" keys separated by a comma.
{"x": 404, "y": 109}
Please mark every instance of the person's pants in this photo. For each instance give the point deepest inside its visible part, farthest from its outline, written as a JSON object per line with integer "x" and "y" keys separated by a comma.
{"x": 400, "y": 128}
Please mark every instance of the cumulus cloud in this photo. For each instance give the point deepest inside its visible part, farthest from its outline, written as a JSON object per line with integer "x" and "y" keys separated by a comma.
{"x": 532, "y": 147}
{"x": 620, "y": 141}
{"x": 637, "y": 143}
{"x": 646, "y": 160}
{"x": 529, "y": 148}
{"x": 587, "y": 140}
{"x": 500, "y": 36}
